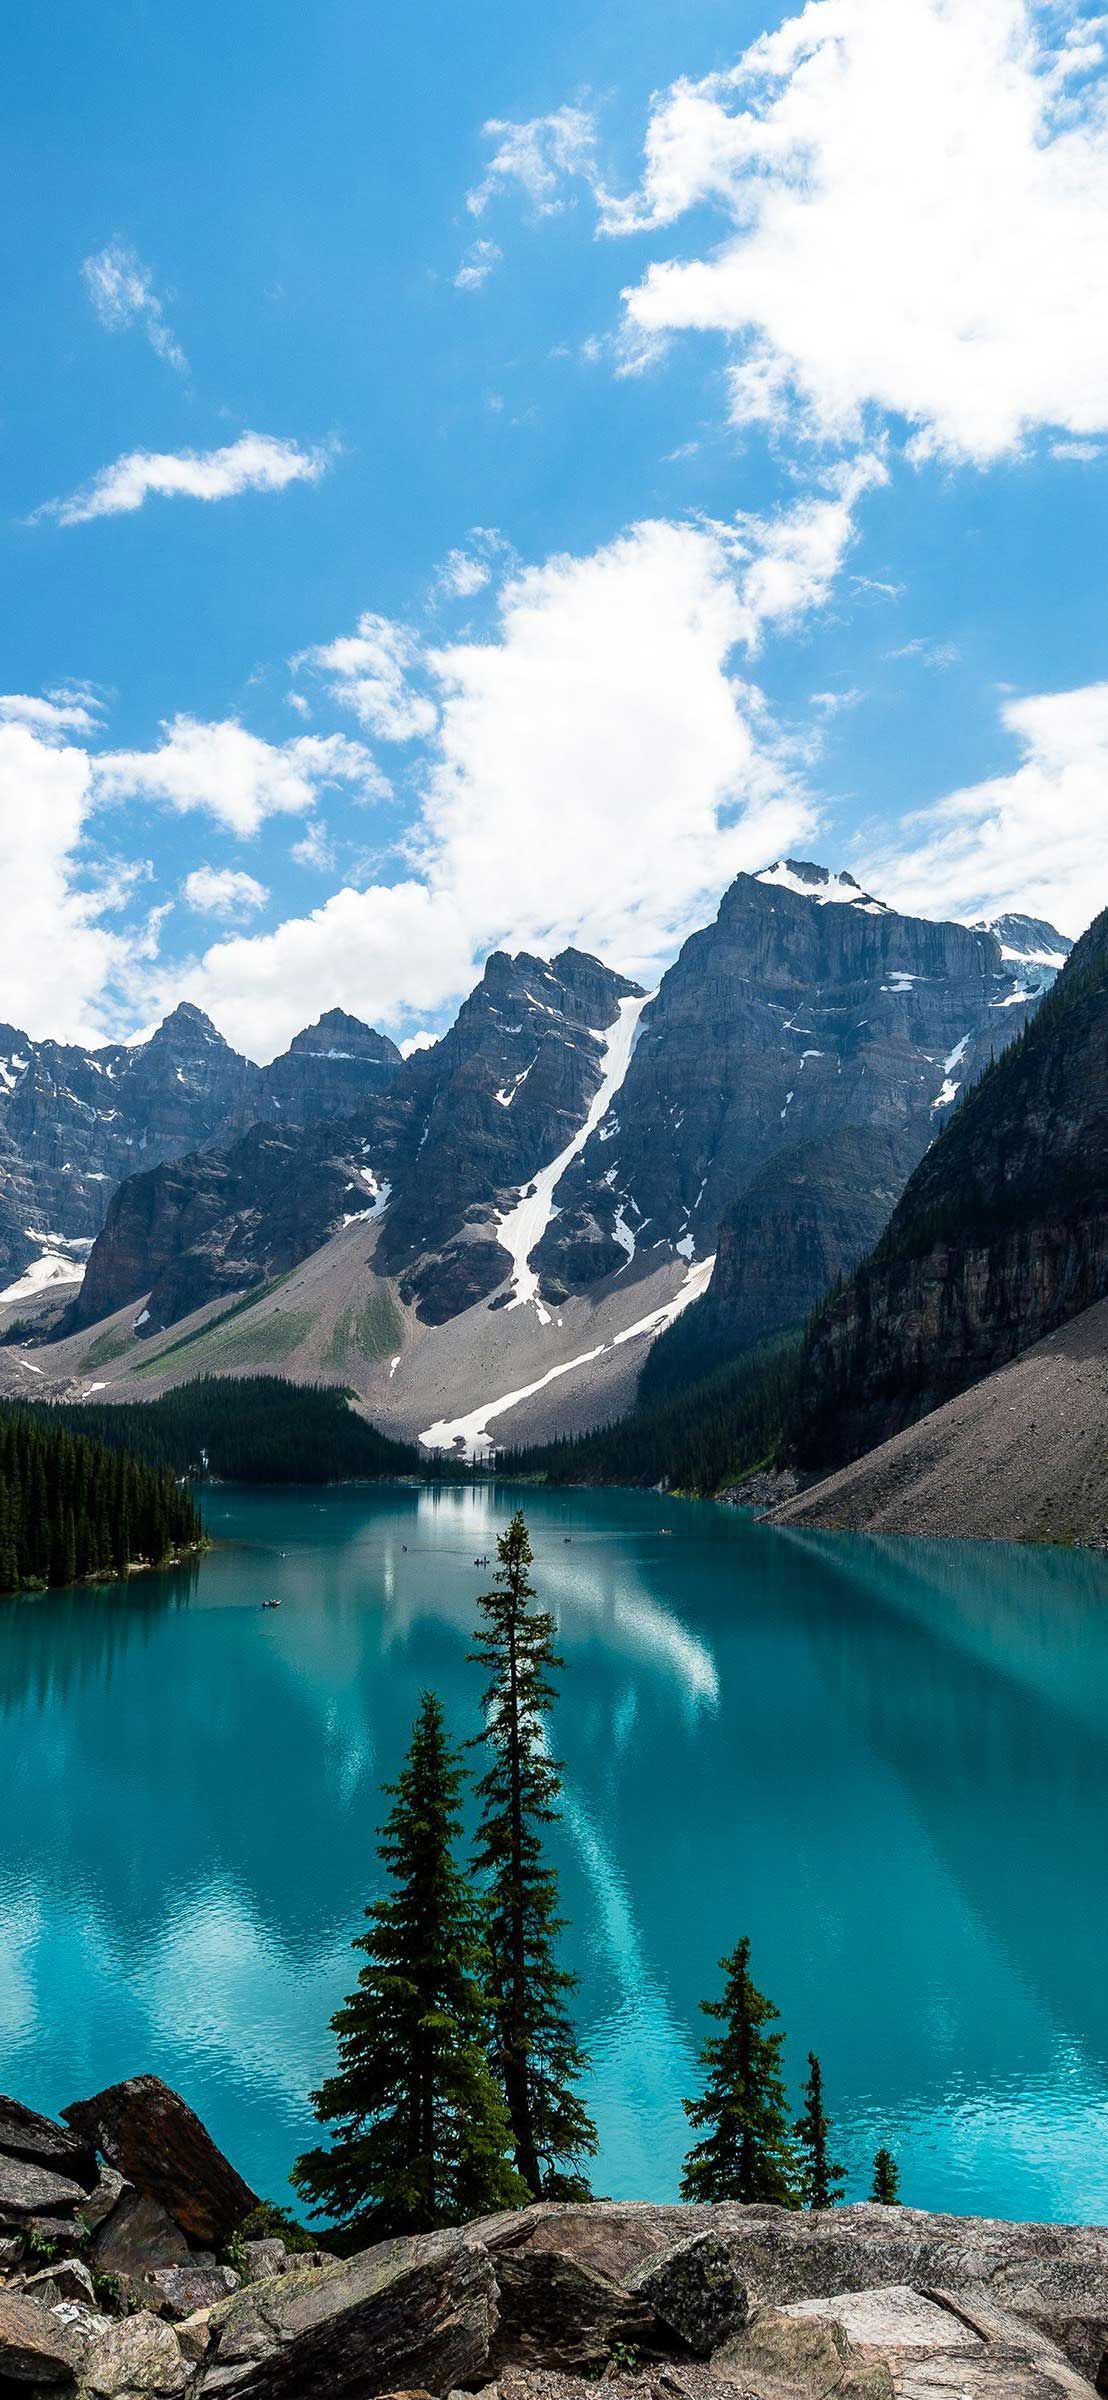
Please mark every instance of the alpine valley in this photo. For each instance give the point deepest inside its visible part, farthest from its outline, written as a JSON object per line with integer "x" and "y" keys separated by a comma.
{"x": 483, "y": 1240}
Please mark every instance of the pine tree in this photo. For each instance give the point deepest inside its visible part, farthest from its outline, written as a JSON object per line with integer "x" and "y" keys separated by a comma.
{"x": 747, "y": 2153}
{"x": 422, "y": 2136}
{"x": 536, "y": 2052}
{"x": 886, "y": 2180}
{"x": 821, "y": 2184}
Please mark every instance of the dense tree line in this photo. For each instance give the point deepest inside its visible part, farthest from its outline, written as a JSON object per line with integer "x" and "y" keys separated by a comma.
{"x": 696, "y": 1438}
{"x": 70, "y": 1507}
{"x": 257, "y": 1429}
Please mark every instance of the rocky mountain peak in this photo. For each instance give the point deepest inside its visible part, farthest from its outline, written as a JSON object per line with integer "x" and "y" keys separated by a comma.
{"x": 813, "y": 882}
{"x": 337, "y": 1035}
{"x": 186, "y": 1027}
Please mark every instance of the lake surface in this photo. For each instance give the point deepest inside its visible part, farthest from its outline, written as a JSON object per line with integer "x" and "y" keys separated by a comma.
{"x": 885, "y": 1761}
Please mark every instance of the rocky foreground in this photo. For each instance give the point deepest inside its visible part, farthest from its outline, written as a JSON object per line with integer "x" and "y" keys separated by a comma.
{"x": 117, "y": 2225}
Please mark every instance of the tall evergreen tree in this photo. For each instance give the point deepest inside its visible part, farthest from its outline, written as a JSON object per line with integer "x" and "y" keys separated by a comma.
{"x": 821, "y": 2184}
{"x": 886, "y": 2180}
{"x": 747, "y": 2151}
{"x": 421, "y": 2133}
{"x": 536, "y": 2051}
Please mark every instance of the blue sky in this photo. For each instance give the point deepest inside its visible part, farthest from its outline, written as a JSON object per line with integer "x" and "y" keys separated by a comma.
{"x": 634, "y": 442}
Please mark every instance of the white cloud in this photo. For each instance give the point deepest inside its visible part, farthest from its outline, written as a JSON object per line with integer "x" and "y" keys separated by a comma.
{"x": 539, "y": 157}
{"x": 58, "y": 957}
{"x": 598, "y": 776}
{"x": 795, "y": 557}
{"x": 313, "y": 850}
{"x": 378, "y": 953}
{"x": 917, "y": 196}
{"x": 238, "y": 778}
{"x": 1031, "y": 839}
{"x": 59, "y": 713}
{"x": 477, "y": 266}
{"x": 466, "y": 571}
{"x": 929, "y": 653}
{"x": 832, "y": 704}
{"x": 369, "y": 672}
{"x": 122, "y": 292}
{"x": 257, "y": 462}
{"x": 224, "y": 892}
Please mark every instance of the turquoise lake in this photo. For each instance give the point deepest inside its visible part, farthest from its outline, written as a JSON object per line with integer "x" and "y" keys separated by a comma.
{"x": 885, "y": 1761}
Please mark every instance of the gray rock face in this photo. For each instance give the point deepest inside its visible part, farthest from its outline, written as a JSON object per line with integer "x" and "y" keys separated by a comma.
{"x": 1000, "y": 1237}
{"x": 75, "y": 1123}
{"x": 404, "y": 2314}
{"x": 24, "y": 2134}
{"x": 178, "y": 2292}
{"x": 31, "y": 2191}
{"x": 139, "y": 2355}
{"x": 68, "y": 2280}
{"x": 782, "y": 1023}
{"x": 137, "y": 2235}
{"x": 554, "y": 2311}
{"x": 34, "y": 2348}
{"x": 158, "y": 2142}
{"x": 694, "y": 2290}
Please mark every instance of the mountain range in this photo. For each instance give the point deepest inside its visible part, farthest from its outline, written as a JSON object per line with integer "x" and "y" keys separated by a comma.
{"x": 494, "y": 1228}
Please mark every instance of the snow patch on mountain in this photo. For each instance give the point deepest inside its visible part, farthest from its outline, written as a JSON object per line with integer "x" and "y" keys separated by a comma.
{"x": 520, "y": 1230}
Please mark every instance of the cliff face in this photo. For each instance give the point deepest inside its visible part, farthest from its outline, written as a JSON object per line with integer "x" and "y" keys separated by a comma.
{"x": 807, "y": 1218}
{"x": 494, "y": 1101}
{"x": 446, "y": 1136}
{"x": 1001, "y": 1234}
{"x": 806, "y": 1007}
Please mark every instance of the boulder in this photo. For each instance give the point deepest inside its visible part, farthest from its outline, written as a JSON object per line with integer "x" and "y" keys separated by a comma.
{"x": 137, "y": 2356}
{"x": 895, "y": 2343}
{"x": 27, "y": 2190}
{"x": 106, "y": 2194}
{"x": 24, "y": 2134}
{"x": 180, "y": 2291}
{"x": 264, "y": 2259}
{"x": 137, "y": 2235}
{"x": 693, "y": 2288}
{"x": 194, "y": 2334}
{"x": 406, "y": 2314}
{"x": 34, "y": 2348}
{"x": 68, "y": 2280}
{"x": 154, "y": 2138}
{"x": 556, "y": 2312}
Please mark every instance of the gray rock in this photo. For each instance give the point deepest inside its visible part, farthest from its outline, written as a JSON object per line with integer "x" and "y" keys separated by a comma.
{"x": 105, "y": 2195}
{"x": 27, "y": 2190}
{"x": 139, "y": 2355}
{"x": 137, "y": 2235}
{"x": 158, "y": 2142}
{"x": 194, "y": 2334}
{"x": 34, "y": 2348}
{"x": 264, "y": 2259}
{"x": 695, "y": 2291}
{"x": 69, "y": 2279}
{"x": 24, "y": 2134}
{"x": 555, "y": 2311}
{"x": 11, "y": 2251}
{"x": 404, "y": 2314}
{"x": 180, "y": 2291}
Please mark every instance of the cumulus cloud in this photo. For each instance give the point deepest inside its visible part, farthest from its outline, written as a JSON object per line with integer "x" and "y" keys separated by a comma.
{"x": 538, "y": 157}
{"x": 369, "y": 671}
{"x": 257, "y": 462}
{"x": 58, "y": 713}
{"x": 59, "y": 956}
{"x": 917, "y": 206}
{"x": 122, "y": 293}
{"x": 232, "y": 774}
{"x": 313, "y": 850}
{"x": 597, "y": 773}
{"x": 477, "y": 266}
{"x": 1030, "y": 839}
{"x": 224, "y": 892}
{"x": 794, "y": 558}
